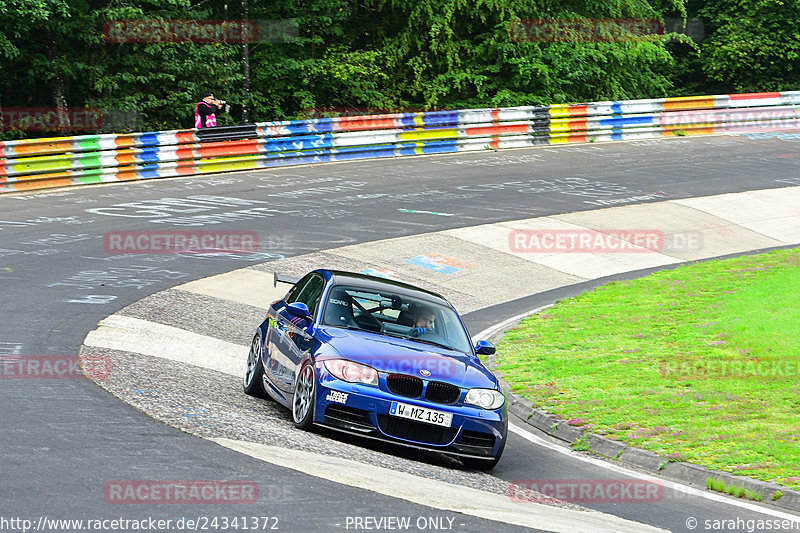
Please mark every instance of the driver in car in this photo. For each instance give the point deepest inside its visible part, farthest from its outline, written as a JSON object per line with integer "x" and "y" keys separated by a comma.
{"x": 423, "y": 321}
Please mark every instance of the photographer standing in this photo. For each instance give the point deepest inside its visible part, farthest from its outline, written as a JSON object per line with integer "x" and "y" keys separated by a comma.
{"x": 204, "y": 111}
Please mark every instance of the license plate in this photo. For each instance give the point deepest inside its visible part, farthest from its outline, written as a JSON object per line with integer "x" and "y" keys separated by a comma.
{"x": 421, "y": 414}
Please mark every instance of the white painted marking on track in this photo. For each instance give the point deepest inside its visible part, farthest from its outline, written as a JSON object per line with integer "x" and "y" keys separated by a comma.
{"x": 680, "y": 487}
{"x": 437, "y": 494}
{"x": 492, "y": 330}
{"x": 119, "y": 332}
{"x": 246, "y": 286}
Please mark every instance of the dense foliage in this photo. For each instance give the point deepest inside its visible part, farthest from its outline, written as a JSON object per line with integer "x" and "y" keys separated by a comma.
{"x": 343, "y": 56}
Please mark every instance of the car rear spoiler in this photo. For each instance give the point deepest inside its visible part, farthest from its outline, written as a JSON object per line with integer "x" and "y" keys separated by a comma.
{"x": 280, "y": 278}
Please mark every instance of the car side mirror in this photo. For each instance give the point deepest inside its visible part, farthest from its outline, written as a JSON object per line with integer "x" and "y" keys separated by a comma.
{"x": 299, "y": 309}
{"x": 484, "y": 348}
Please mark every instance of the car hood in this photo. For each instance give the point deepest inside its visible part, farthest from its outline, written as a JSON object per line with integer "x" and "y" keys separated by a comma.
{"x": 403, "y": 356}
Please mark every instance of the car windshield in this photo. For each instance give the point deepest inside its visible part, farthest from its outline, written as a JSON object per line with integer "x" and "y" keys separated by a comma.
{"x": 381, "y": 311}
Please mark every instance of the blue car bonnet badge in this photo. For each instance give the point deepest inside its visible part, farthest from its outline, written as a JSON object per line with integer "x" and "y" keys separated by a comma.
{"x": 425, "y": 373}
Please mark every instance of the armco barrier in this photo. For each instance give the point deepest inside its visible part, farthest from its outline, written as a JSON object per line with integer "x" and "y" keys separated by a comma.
{"x": 64, "y": 161}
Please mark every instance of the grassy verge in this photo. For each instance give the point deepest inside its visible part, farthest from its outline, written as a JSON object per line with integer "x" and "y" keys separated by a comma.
{"x": 700, "y": 364}
{"x": 734, "y": 490}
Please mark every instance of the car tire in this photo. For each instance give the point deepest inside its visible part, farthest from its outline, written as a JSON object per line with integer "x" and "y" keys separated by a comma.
{"x": 304, "y": 397}
{"x": 254, "y": 372}
{"x": 483, "y": 464}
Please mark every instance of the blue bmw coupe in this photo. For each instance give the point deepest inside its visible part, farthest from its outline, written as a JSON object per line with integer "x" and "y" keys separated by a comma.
{"x": 380, "y": 359}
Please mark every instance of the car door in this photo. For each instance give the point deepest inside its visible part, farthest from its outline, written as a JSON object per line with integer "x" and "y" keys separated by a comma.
{"x": 295, "y": 339}
{"x": 276, "y": 366}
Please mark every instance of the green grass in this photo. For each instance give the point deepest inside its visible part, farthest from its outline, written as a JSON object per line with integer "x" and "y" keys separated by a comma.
{"x": 581, "y": 445}
{"x": 700, "y": 363}
{"x": 734, "y": 490}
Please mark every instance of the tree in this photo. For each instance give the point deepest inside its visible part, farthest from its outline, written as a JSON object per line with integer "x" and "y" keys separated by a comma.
{"x": 751, "y": 45}
{"x": 376, "y": 55}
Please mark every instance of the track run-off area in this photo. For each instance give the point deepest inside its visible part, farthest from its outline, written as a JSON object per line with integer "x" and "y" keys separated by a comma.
{"x": 181, "y": 325}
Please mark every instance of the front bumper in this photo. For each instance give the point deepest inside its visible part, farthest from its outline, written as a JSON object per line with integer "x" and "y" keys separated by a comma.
{"x": 364, "y": 410}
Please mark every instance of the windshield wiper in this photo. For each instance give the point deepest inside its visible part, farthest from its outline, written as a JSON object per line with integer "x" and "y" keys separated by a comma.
{"x": 401, "y": 336}
{"x": 395, "y": 335}
{"x": 434, "y": 343}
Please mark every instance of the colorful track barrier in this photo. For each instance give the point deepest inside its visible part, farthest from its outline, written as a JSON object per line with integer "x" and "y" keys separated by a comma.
{"x": 64, "y": 161}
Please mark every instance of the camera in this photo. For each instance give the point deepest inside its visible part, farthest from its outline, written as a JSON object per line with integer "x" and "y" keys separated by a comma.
{"x": 223, "y": 102}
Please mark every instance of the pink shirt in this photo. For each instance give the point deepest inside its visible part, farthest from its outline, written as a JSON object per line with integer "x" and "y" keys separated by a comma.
{"x": 211, "y": 120}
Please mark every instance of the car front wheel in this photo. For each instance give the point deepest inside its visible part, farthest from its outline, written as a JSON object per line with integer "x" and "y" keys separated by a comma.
{"x": 305, "y": 396}
{"x": 254, "y": 372}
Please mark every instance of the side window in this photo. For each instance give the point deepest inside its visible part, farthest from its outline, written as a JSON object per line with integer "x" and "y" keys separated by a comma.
{"x": 295, "y": 291}
{"x": 311, "y": 293}
{"x": 339, "y": 310}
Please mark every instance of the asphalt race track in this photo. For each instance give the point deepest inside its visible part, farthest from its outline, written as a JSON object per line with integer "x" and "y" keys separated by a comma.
{"x": 63, "y": 440}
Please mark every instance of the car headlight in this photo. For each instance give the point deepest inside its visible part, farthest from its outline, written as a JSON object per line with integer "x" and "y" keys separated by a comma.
{"x": 485, "y": 398}
{"x": 352, "y": 372}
